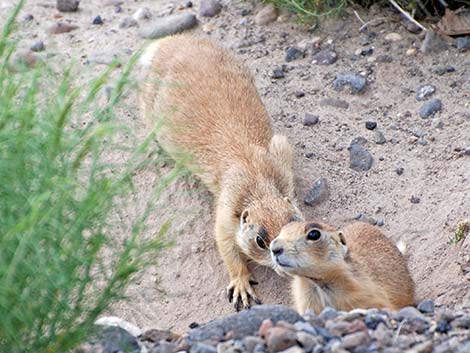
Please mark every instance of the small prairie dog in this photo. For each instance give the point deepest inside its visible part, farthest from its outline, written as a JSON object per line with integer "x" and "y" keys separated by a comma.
{"x": 357, "y": 267}
{"x": 209, "y": 110}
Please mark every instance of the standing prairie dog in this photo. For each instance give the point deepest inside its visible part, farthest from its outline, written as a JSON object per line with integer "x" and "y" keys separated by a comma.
{"x": 357, "y": 267}
{"x": 210, "y": 111}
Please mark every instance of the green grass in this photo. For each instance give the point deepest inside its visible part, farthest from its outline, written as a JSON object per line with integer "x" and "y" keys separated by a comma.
{"x": 311, "y": 9}
{"x": 60, "y": 263}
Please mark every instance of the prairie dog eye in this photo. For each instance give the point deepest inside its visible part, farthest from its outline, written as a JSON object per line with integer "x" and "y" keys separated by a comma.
{"x": 261, "y": 242}
{"x": 314, "y": 234}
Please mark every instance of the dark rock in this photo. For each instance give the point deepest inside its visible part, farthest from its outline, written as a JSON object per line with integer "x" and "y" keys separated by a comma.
{"x": 424, "y": 92}
{"x": 111, "y": 339}
{"x": 433, "y": 43}
{"x": 209, "y": 8}
{"x": 367, "y": 52}
{"x": 430, "y": 108}
{"x": 279, "y": 339}
{"x": 415, "y": 199}
{"x": 373, "y": 319}
{"x": 169, "y": 25}
{"x": 426, "y": 307}
{"x": 310, "y": 119}
{"x": 333, "y": 102}
{"x": 277, "y": 73}
{"x": 67, "y": 5}
{"x": 293, "y": 53}
{"x": 443, "y": 326}
{"x": 299, "y": 94}
{"x": 98, "y": 20}
{"x": 155, "y": 335}
{"x": 441, "y": 70}
{"x": 360, "y": 159}
{"x": 318, "y": 193}
{"x": 202, "y": 348}
{"x": 325, "y": 57}
{"x": 412, "y": 27}
{"x": 461, "y": 322}
{"x": 28, "y": 17}
{"x": 356, "y": 82}
{"x": 355, "y": 339}
{"x": 400, "y": 170}
{"x": 379, "y": 138}
{"x": 380, "y": 223}
{"x": 244, "y": 323}
{"x": 266, "y": 15}
{"x": 61, "y": 27}
{"x": 250, "y": 342}
{"x": 463, "y": 43}
{"x": 38, "y": 46}
{"x": 188, "y": 4}
{"x": 371, "y": 125}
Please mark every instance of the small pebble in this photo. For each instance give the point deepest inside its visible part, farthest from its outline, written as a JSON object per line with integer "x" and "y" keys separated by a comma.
{"x": 299, "y": 94}
{"x": 333, "y": 102}
{"x": 415, "y": 199}
{"x": 463, "y": 43}
{"x": 310, "y": 119}
{"x": 430, "y": 108}
{"x": 425, "y": 91}
{"x": 38, "y": 46}
{"x": 319, "y": 193}
{"x": 426, "y": 307}
{"x": 359, "y": 158}
{"x": 365, "y": 218}
{"x": 142, "y": 13}
{"x": 209, "y": 8}
{"x": 169, "y": 25}
{"x": 379, "y": 138}
{"x": 28, "y": 17}
{"x": 384, "y": 58}
{"x": 325, "y": 57}
{"x": 277, "y": 73}
{"x": 371, "y": 125}
{"x": 67, "y": 5}
{"x": 400, "y": 170}
{"x": 97, "y": 20}
{"x": 356, "y": 82}
{"x": 61, "y": 27}
{"x": 393, "y": 37}
{"x": 266, "y": 15}
{"x": 293, "y": 53}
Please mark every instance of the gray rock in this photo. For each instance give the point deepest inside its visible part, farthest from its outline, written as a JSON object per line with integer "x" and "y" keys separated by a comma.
{"x": 128, "y": 22}
{"x": 463, "y": 43}
{"x": 209, "y": 8}
{"x": 361, "y": 141}
{"x": 277, "y": 73}
{"x": 415, "y": 199}
{"x": 38, "y": 46}
{"x": 424, "y": 92}
{"x": 165, "y": 347}
{"x": 461, "y": 322}
{"x": 361, "y": 217}
{"x": 384, "y": 58}
{"x": 266, "y": 15}
{"x": 280, "y": 339}
{"x": 306, "y": 327}
{"x": 307, "y": 341}
{"x": 60, "y": 27}
{"x": 250, "y": 342}
{"x": 430, "y": 108}
{"x": 318, "y": 193}
{"x": 328, "y": 313}
{"x": 102, "y": 57}
{"x": 142, "y": 13}
{"x": 409, "y": 313}
{"x": 169, "y": 25}
{"x": 67, "y": 5}
{"x": 293, "y": 53}
{"x": 333, "y": 102}
{"x": 202, "y": 348}
{"x": 433, "y": 43}
{"x": 360, "y": 159}
{"x": 355, "y": 339}
{"x": 356, "y": 82}
{"x": 379, "y": 137}
{"x": 111, "y": 339}
{"x": 325, "y": 57}
{"x": 242, "y": 324}
{"x": 426, "y": 307}
{"x": 310, "y": 119}
{"x": 97, "y": 20}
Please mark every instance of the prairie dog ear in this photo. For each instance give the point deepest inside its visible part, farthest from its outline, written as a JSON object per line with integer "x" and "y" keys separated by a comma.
{"x": 244, "y": 216}
{"x": 281, "y": 149}
{"x": 342, "y": 243}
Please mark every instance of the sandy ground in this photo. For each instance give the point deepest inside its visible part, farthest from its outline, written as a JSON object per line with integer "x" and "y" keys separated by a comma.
{"x": 187, "y": 285}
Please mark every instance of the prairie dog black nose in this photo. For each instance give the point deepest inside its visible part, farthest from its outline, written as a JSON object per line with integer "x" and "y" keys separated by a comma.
{"x": 277, "y": 250}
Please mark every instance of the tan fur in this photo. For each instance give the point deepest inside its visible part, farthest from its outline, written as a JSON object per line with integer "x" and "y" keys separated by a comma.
{"x": 210, "y": 111}
{"x": 357, "y": 267}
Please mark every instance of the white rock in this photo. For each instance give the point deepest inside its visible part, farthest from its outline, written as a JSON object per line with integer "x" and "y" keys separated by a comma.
{"x": 393, "y": 37}
{"x": 142, "y": 13}
{"x": 116, "y": 321}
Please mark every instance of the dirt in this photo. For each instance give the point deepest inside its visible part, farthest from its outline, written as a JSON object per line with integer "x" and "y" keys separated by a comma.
{"x": 188, "y": 283}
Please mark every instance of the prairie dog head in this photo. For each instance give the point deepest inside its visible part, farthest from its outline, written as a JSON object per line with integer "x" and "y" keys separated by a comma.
{"x": 261, "y": 222}
{"x": 308, "y": 249}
